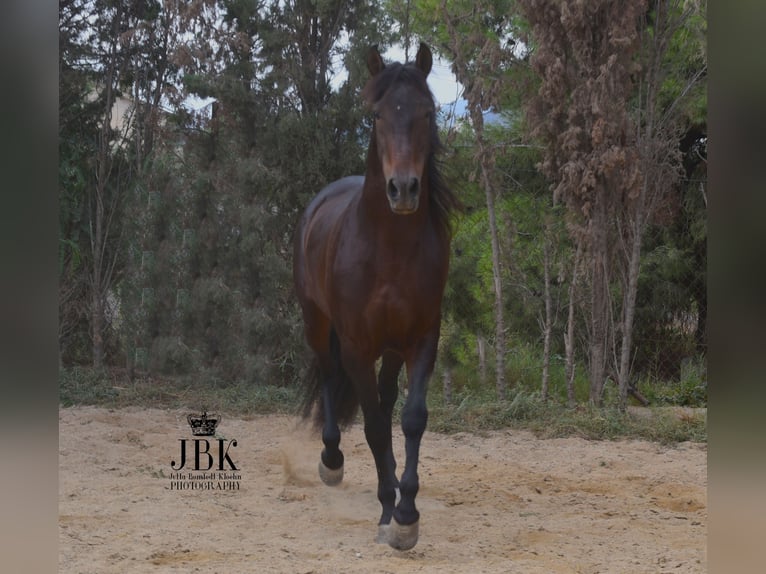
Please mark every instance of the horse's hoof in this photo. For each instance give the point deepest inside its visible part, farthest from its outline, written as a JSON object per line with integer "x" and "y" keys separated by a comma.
{"x": 383, "y": 533}
{"x": 402, "y": 536}
{"x": 331, "y": 477}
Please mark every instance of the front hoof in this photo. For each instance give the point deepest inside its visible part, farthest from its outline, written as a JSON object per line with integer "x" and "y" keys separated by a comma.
{"x": 402, "y": 536}
{"x": 331, "y": 477}
{"x": 383, "y": 534}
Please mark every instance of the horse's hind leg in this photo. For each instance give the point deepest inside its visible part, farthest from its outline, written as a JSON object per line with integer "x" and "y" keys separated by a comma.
{"x": 322, "y": 338}
{"x": 331, "y": 461}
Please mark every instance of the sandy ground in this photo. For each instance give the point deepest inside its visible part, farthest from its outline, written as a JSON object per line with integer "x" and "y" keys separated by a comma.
{"x": 504, "y": 502}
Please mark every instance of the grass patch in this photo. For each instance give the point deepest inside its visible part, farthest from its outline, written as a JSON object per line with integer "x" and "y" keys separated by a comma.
{"x": 551, "y": 419}
{"x": 689, "y": 390}
{"x": 472, "y": 410}
{"x": 114, "y": 389}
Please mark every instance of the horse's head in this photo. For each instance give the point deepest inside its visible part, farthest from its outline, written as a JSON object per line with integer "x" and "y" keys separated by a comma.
{"x": 404, "y": 130}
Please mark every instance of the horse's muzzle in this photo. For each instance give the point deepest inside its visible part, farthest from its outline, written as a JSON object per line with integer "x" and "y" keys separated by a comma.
{"x": 403, "y": 194}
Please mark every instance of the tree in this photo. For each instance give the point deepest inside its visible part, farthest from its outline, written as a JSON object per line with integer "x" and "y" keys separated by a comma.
{"x": 664, "y": 87}
{"x": 219, "y": 300}
{"x": 111, "y": 52}
{"x": 585, "y": 56}
{"x": 612, "y": 108}
{"x": 99, "y": 59}
{"x": 78, "y": 115}
{"x": 474, "y": 37}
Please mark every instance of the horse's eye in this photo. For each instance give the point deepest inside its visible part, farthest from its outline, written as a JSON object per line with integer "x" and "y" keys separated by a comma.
{"x": 376, "y": 116}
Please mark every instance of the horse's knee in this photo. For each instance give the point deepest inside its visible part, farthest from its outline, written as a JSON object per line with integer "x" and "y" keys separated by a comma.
{"x": 414, "y": 420}
{"x": 377, "y": 431}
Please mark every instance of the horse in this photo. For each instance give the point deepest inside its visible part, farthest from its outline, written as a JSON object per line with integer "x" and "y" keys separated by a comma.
{"x": 371, "y": 255}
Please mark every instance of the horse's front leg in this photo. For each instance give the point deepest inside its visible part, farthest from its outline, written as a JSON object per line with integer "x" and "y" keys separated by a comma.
{"x": 377, "y": 405}
{"x": 388, "y": 391}
{"x": 403, "y": 533}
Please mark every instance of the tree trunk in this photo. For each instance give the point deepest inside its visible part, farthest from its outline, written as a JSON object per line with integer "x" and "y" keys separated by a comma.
{"x": 569, "y": 337}
{"x": 548, "y": 319}
{"x": 484, "y": 160}
{"x": 97, "y": 254}
{"x": 481, "y": 350}
{"x": 500, "y": 383}
{"x": 98, "y": 223}
{"x": 97, "y": 328}
{"x": 447, "y": 386}
{"x": 473, "y": 56}
{"x": 599, "y": 296}
{"x": 629, "y": 312}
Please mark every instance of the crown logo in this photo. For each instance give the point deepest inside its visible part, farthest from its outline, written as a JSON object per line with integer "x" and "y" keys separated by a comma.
{"x": 204, "y": 424}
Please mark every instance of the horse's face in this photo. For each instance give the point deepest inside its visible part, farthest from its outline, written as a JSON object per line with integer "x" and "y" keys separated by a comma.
{"x": 403, "y": 117}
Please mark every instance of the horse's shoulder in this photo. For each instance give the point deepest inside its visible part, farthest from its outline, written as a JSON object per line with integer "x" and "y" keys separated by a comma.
{"x": 345, "y": 186}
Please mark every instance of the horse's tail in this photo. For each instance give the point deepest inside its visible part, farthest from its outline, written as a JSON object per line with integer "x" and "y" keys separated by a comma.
{"x": 345, "y": 401}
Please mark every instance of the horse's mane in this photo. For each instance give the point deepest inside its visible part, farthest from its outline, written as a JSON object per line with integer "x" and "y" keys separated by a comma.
{"x": 443, "y": 201}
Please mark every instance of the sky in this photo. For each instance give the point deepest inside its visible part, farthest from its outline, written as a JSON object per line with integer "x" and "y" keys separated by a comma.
{"x": 445, "y": 88}
{"x": 441, "y": 80}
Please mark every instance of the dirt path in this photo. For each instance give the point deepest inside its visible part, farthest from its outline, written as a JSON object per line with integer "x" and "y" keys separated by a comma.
{"x": 507, "y": 502}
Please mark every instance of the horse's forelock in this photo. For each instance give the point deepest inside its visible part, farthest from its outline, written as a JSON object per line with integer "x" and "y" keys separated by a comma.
{"x": 378, "y": 85}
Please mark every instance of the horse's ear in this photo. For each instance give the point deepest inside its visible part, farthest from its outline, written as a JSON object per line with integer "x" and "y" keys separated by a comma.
{"x": 424, "y": 60}
{"x": 374, "y": 61}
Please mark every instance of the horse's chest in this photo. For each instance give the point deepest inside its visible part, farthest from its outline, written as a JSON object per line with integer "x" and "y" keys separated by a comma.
{"x": 390, "y": 298}
{"x": 392, "y": 304}
{"x": 402, "y": 309}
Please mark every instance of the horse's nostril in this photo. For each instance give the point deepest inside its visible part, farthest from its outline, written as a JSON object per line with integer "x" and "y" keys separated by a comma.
{"x": 414, "y": 186}
{"x": 393, "y": 190}
{"x": 408, "y": 188}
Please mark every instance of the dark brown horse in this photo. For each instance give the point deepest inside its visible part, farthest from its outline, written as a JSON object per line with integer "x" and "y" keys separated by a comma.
{"x": 371, "y": 259}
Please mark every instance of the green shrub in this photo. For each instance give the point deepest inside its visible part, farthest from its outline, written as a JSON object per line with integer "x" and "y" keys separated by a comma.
{"x": 474, "y": 407}
{"x": 689, "y": 391}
